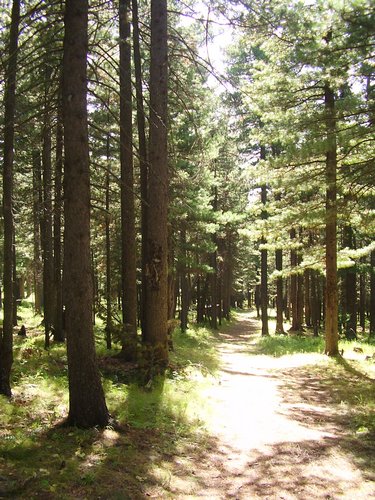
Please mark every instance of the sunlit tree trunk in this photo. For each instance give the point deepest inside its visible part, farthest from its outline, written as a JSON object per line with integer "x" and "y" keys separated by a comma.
{"x": 87, "y": 407}
{"x": 155, "y": 333}
{"x": 331, "y": 299}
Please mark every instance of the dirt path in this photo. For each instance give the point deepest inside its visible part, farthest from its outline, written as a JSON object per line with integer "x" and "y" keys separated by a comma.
{"x": 276, "y": 435}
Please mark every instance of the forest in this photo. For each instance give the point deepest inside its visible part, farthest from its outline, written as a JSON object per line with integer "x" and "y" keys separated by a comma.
{"x": 187, "y": 227}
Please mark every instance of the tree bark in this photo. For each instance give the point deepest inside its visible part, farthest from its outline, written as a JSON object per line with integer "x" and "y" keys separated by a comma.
{"x": 350, "y": 288}
{"x": 142, "y": 148}
{"x": 47, "y": 240}
{"x": 307, "y": 296}
{"x": 87, "y": 407}
{"x": 331, "y": 300}
{"x": 59, "y": 334}
{"x": 372, "y": 294}
{"x": 6, "y": 337}
{"x": 156, "y": 297}
{"x": 264, "y": 262}
{"x": 129, "y": 270}
{"x": 37, "y": 268}
{"x": 108, "y": 284}
{"x": 279, "y": 293}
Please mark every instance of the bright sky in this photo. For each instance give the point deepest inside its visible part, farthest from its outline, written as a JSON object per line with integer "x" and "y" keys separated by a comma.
{"x": 214, "y": 50}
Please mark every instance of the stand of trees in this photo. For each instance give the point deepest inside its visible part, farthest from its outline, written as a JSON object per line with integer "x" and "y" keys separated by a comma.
{"x": 135, "y": 193}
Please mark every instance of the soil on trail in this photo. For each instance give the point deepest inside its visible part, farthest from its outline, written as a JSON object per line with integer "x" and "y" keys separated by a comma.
{"x": 276, "y": 432}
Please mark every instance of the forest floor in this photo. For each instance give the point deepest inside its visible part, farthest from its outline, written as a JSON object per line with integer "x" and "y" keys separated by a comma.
{"x": 281, "y": 429}
{"x": 243, "y": 418}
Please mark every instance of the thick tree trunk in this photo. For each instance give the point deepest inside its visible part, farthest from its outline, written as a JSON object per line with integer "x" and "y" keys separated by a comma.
{"x": 279, "y": 293}
{"x": 6, "y": 336}
{"x": 331, "y": 301}
{"x": 87, "y": 407}
{"x": 142, "y": 148}
{"x": 155, "y": 333}
{"x": 129, "y": 269}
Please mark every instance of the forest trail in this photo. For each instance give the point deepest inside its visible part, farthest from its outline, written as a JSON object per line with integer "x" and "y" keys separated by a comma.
{"x": 275, "y": 433}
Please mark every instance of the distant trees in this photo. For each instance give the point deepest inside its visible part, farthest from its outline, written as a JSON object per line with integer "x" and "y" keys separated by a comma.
{"x": 304, "y": 77}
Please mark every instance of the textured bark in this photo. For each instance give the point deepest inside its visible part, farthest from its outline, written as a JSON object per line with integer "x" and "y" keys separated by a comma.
{"x": 142, "y": 147}
{"x": 279, "y": 293}
{"x": 6, "y": 336}
{"x": 128, "y": 246}
{"x": 155, "y": 333}
{"x": 331, "y": 300}
{"x": 87, "y": 405}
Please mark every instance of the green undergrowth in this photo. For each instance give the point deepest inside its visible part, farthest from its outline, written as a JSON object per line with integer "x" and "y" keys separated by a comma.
{"x": 37, "y": 457}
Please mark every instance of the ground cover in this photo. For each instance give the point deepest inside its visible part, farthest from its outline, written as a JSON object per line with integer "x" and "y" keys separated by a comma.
{"x": 237, "y": 416}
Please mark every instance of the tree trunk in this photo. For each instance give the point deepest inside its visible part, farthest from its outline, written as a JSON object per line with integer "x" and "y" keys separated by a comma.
{"x": 87, "y": 407}
{"x": 314, "y": 302}
{"x": 279, "y": 293}
{"x": 142, "y": 149}
{"x": 185, "y": 292}
{"x": 331, "y": 312}
{"x": 307, "y": 296}
{"x": 129, "y": 270}
{"x": 108, "y": 284}
{"x": 59, "y": 334}
{"x": 264, "y": 263}
{"x": 350, "y": 288}
{"x": 156, "y": 297}
{"x": 372, "y": 294}
{"x": 47, "y": 240}
{"x": 295, "y": 297}
{"x": 37, "y": 268}
{"x": 6, "y": 336}
{"x": 362, "y": 300}
{"x": 16, "y": 293}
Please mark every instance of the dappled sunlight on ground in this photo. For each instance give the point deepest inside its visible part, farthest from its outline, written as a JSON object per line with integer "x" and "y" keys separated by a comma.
{"x": 274, "y": 433}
